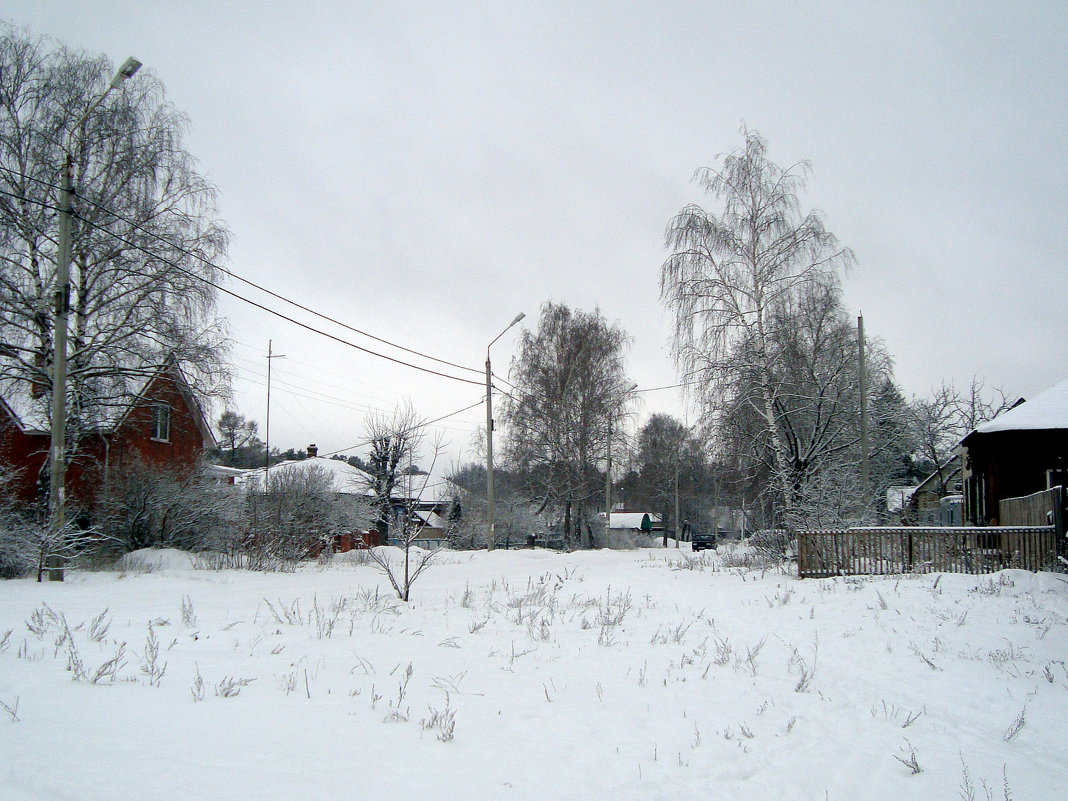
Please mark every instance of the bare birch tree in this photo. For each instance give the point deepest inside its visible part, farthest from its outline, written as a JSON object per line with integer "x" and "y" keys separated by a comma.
{"x": 728, "y": 274}
{"x": 144, "y": 234}
{"x": 817, "y": 407}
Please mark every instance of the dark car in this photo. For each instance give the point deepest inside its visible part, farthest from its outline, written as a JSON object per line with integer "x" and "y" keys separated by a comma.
{"x": 703, "y": 539}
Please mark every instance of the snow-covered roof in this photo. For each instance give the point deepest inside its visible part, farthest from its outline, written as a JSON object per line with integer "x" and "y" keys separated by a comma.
{"x": 423, "y": 489}
{"x": 222, "y": 471}
{"x": 628, "y": 520}
{"x": 432, "y": 520}
{"x": 33, "y": 414}
{"x": 1047, "y": 410}
{"x": 898, "y": 497}
{"x": 347, "y": 479}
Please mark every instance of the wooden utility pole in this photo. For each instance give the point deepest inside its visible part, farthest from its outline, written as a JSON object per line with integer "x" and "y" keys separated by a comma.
{"x": 267, "y": 433}
{"x": 608, "y": 488}
{"x": 678, "y": 532}
{"x": 863, "y": 383}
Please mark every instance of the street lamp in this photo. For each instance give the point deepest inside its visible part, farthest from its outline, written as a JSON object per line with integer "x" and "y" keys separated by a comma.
{"x": 61, "y": 300}
{"x": 490, "y": 535}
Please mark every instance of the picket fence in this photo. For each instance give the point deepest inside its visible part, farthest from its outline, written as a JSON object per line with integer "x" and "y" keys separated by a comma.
{"x": 885, "y": 550}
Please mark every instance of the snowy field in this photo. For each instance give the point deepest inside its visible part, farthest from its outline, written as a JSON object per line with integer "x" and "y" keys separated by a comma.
{"x": 532, "y": 675}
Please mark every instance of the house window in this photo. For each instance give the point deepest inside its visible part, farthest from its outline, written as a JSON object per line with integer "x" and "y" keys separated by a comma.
{"x": 1058, "y": 476}
{"x": 975, "y": 500}
{"x": 161, "y": 422}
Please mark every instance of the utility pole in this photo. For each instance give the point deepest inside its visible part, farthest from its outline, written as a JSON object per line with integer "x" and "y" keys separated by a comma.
{"x": 863, "y": 383}
{"x": 491, "y": 534}
{"x": 267, "y": 432}
{"x": 57, "y": 479}
{"x": 608, "y": 488}
{"x": 57, "y": 496}
{"x": 678, "y": 532}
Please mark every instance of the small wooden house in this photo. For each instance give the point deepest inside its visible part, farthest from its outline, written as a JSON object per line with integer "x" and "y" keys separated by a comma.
{"x": 1021, "y": 452}
{"x": 924, "y": 503}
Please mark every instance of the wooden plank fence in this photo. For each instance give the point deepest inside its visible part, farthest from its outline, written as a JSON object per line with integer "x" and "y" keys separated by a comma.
{"x": 884, "y": 550}
{"x": 1039, "y": 509}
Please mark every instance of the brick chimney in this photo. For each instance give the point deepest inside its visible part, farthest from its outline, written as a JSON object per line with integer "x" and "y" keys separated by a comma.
{"x": 313, "y": 451}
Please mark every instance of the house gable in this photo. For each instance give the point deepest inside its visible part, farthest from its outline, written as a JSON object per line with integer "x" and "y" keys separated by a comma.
{"x": 131, "y": 439}
{"x": 163, "y": 426}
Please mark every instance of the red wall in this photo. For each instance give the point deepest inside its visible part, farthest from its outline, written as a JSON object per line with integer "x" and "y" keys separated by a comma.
{"x": 131, "y": 441}
{"x": 23, "y": 454}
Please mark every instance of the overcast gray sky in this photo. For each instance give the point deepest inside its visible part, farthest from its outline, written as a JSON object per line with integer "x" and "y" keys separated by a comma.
{"x": 426, "y": 171}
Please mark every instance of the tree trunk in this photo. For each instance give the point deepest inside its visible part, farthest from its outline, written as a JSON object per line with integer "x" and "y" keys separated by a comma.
{"x": 771, "y": 419}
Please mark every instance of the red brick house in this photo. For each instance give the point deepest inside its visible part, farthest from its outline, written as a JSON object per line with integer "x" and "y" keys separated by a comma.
{"x": 163, "y": 427}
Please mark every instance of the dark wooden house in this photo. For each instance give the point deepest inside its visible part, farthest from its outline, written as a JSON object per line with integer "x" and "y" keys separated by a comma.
{"x": 1021, "y": 452}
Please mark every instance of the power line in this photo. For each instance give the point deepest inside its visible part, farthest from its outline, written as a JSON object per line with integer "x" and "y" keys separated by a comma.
{"x": 298, "y": 387}
{"x": 139, "y": 227}
{"x": 319, "y": 372}
{"x": 517, "y": 391}
{"x": 287, "y": 388}
{"x": 300, "y": 392}
{"x": 410, "y": 430}
{"x": 226, "y": 271}
{"x": 251, "y": 302}
{"x": 504, "y": 380}
{"x": 230, "y": 273}
{"x": 670, "y": 386}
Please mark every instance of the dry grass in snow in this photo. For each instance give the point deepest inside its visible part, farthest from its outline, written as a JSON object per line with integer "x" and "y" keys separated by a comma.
{"x": 532, "y": 675}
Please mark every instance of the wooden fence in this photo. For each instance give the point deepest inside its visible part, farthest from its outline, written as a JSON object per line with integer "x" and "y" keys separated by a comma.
{"x": 1039, "y": 509}
{"x": 878, "y": 551}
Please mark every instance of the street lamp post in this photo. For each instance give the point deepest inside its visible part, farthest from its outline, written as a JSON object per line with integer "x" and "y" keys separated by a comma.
{"x": 61, "y": 301}
{"x": 490, "y": 534}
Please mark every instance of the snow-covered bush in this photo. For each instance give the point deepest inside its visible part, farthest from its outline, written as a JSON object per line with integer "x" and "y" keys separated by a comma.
{"x": 16, "y": 558}
{"x": 145, "y": 506}
{"x": 294, "y": 518}
{"x": 773, "y": 544}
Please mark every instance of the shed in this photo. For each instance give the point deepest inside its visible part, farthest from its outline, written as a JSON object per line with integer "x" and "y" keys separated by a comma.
{"x": 635, "y": 521}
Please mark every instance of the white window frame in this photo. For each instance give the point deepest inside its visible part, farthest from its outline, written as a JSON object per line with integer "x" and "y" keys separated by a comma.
{"x": 161, "y": 422}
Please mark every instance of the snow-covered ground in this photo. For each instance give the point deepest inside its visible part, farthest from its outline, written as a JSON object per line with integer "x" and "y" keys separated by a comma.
{"x": 532, "y": 675}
